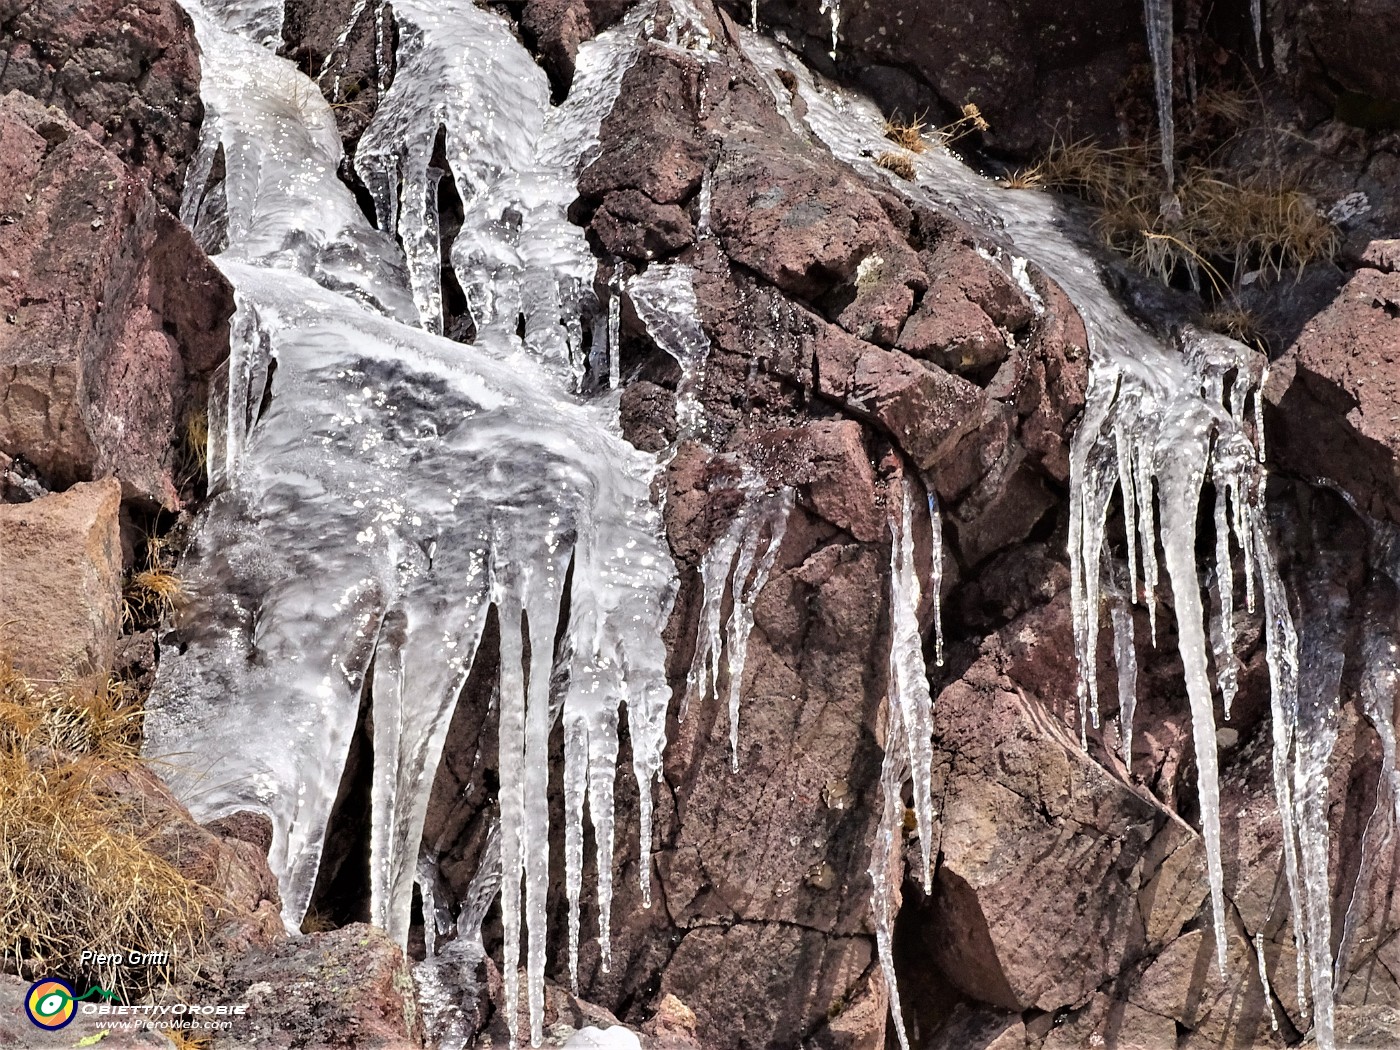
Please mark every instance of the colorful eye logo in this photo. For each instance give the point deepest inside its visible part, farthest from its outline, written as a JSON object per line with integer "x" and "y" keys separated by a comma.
{"x": 50, "y": 1003}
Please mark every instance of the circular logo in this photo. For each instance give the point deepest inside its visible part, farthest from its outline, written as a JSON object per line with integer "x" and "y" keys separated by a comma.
{"x": 50, "y": 1003}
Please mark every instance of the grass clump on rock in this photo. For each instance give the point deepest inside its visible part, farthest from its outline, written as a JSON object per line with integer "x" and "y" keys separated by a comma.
{"x": 76, "y": 872}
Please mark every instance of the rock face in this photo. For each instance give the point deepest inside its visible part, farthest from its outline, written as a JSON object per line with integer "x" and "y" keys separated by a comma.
{"x": 60, "y": 582}
{"x": 114, "y": 322}
{"x": 125, "y": 71}
{"x": 348, "y": 989}
{"x": 1336, "y": 417}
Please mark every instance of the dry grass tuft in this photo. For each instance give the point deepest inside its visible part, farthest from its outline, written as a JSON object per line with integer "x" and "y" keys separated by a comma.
{"x": 899, "y": 163}
{"x": 152, "y": 595}
{"x": 908, "y": 135}
{"x": 75, "y": 869}
{"x": 1238, "y": 323}
{"x": 1030, "y": 178}
{"x": 1215, "y": 226}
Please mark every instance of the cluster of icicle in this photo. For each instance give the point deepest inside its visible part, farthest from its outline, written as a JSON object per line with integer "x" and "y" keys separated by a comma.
{"x": 379, "y": 490}
{"x": 737, "y": 564}
{"x": 1156, "y": 447}
{"x": 1159, "y": 423}
{"x": 908, "y": 729}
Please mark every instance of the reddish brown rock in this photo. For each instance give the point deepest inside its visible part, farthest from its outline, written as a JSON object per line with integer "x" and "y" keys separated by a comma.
{"x": 1336, "y": 413}
{"x": 348, "y": 989}
{"x": 125, "y": 71}
{"x": 113, "y": 319}
{"x": 60, "y": 582}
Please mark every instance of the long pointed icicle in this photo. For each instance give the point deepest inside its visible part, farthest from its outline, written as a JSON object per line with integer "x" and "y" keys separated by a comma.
{"x": 1157, "y": 14}
{"x": 908, "y": 746}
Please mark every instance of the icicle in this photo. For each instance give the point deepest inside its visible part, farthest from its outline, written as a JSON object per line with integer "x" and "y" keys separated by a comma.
{"x": 1264, "y": 980}
{"x": 1180, "y": 487}
{"x": 1125, "y": 656}
{"x": 614, "y": 341}
{"x": 1089, "y": 501}
{"x": 1127, "y": 475}
{"x": 908, "y": 675}
{"x": 771, "y": 517}
{"x": 1281, "y": 654}
{"x": 1226, "y": 672}
{"x": 733, "y": 563}
{"x": 446, "y": 978}
{"x": 935, "y": 521}
{"x": 1157, "y": 14}
{"x": 908, "y": 745}
{"x": 832, "y": 9}
{"x": 886, "y": 866}
{"x": 1256, "y": 14}
{"x": 1321, "y": 656}
{"x": 753, "y": 15}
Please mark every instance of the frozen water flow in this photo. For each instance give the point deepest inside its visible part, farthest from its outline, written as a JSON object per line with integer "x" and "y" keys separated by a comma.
{"x": 908, "y": 735}
{"x": 737, "y": 564}
{"x": 664, "y": 298}
{"x": 1264, "y": 980}
{"x": 382, "y": 488}
{"x": 935, "y": 535}
{"x": 1125, "y": 656}
{"x": 910, "y": 704}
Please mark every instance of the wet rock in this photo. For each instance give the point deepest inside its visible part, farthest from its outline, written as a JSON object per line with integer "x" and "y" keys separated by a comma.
{"x": 654, "y": 140}
{"x": 115, "y": 320}
{"x": 632, "y": 226}
{"x": 348, "y": 988}
{"x": 349, "y": 61}
{"x": 1027, "y": 823}
{"x": 1029, "y": 65}
{"x": 125, "y": 71}
{"x": 60, "y": 582}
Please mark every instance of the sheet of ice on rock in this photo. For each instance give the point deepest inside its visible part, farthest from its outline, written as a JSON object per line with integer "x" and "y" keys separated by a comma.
{"x": 378, "y": 489}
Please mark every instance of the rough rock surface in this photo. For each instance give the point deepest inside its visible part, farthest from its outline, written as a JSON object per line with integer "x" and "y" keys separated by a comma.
{"x": 347, "y": 989}
{"x": 60, "y": 582}
{"x": 113, "y": 319}
{"x": 1336, "y": 393}
{"x": 125, "y": 71}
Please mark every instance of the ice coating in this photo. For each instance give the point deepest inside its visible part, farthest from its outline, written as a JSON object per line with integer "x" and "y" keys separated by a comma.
{"x": 738, "y": 565}
{"x": 380, "y": 489}
{"x": 1161, "y": 419}
{"x": 664, "y": 298}
{"x": 935, "y": 535}
{"x": 1157, "y": 17}
{"x": 513, "y": 158}
{"x": 908, "y": 736}
{"x": 910, "y": 703}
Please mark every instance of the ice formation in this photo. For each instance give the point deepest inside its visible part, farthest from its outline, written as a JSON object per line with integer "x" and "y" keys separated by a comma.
{"x": 1160, "y": 420}
{"x": 738, "y": 565}
{"x": 379, "y": 489}
{"x": 1157, "y": 15}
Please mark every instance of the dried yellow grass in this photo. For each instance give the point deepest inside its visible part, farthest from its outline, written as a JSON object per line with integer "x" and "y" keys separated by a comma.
{"x": 899, "y": 163}
{"x": 75, "y": 869}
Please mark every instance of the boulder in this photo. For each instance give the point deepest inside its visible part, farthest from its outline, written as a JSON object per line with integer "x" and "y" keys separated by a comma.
{"x": 112, "y": 320}
{"x": 125, "y": 71}
{"x": 61, "y": 582}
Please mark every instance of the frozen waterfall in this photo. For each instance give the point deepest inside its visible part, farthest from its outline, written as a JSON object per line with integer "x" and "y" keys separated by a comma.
{"x": 378, "y": 489}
